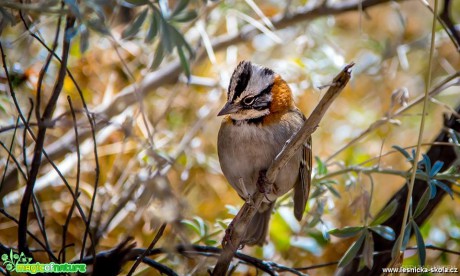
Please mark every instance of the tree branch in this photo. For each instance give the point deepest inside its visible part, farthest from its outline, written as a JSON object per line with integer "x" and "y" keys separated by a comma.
{"x": 36, "y": 161}
{"x": 244, "y": 216}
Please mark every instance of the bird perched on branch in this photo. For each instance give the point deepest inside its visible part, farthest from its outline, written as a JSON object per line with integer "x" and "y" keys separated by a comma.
{"x": 261, "y": 117}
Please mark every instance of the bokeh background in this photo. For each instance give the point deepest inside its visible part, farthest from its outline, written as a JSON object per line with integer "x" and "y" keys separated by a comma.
{"x": 156, "y": 148}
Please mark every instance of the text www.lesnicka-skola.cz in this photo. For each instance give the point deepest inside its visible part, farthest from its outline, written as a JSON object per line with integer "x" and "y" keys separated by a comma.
{"x": 420, "y": 269}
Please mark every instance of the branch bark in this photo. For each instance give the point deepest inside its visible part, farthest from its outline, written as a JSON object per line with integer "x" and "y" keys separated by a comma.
{"x": 240, "y": 222}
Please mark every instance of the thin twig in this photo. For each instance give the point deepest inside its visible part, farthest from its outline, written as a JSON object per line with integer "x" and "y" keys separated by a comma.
{"x": 24, "y": 137}
{"x": 419, "y": 141}
{"x": 152, "y": 244}
{"x": 77, "y": 185}
{"x": 36, "y": 161}
{"x": 10, "y": 153}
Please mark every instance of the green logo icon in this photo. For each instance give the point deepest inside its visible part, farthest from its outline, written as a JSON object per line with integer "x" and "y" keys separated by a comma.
{"x": 13, "y": 259}
{"x": 20, "y": 263}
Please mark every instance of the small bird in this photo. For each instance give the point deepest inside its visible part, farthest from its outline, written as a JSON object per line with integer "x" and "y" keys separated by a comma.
{"x": 261, "y": 117}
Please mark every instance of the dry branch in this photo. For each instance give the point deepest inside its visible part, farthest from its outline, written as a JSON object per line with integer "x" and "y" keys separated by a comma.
{"x": 240, "y": 223}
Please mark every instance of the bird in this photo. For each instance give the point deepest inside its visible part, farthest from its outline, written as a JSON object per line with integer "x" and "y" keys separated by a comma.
{"x": 260, "y": 116}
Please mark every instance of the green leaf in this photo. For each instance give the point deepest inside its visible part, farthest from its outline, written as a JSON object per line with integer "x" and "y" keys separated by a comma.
{"x": 427, "y": 162}
{"x": 386, "y": 213}
{"x": 184, "y": 62}
{"x": 185, "y": 16}
{"x": 158, "y": 57}
{"x": 407, "y": 233}
{"x": 180, "y": 6}
{"x": 84, "y": 38}
{"x": 317, "y": 192}
{"x": 322, "y": 169}
{"x": 385, "y": 232}
{"x": 191, "y": 225}
{"x": 137, "y": 2}
{"x": 436, "y": 168}
{"x": 368, "y": 251}
{"x": 443, "y": 186}
{"x": 403, "y": 152}
{"x": 405, "y": 238}
{"x": 166, "y": 36}
{"x": 346, "y": 232}
{"x": 134, "y": 28}
{"x": 352, "y": 251}
{"x": 332, "y": 190}
{"x": 420, "y": 243}
{"x": 155, "y": 22}
{"x": 422, "y": 203}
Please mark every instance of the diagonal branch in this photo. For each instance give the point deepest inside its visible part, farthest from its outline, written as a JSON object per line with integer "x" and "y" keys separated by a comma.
{"x": 240, "y": 223}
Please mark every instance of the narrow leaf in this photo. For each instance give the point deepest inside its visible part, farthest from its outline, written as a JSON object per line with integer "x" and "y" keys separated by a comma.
{"x": 432, "y": 188}
{"x": 420, "y": 244}
{"x": 386, "y": 213}
{"x": 154, "y": 24}
{"x": 322, "y": 169}
{"x": 427, "y": 162}
{"x": 368, "y": 251}
{"x": 436, "y": 168}
{"x": 185, "y": 63}
{"x": 158, "y": 57}
{"x": 84, "y": 38}
{"x": 443, "y": 186}
{"x": 403, "y": 152}
{"x": 351, "y": 252}
{"x": 346, "y": 232}
{"x": 422, "y": 203}
{"x": 185, "y": 16}
{"x": 407, "y": 233}
{"x": 137, "y": 2}
{"x": 333, "y": 190}
{"x": 385, "y": 231}
{"x": 134, "y": 28}
{"x": 181, "y": 5}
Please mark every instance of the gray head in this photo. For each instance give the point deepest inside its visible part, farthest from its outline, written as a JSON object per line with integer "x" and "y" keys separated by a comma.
{"x": 249, "y": 93}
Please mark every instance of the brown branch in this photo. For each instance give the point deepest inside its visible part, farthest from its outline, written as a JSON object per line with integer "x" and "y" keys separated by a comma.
{"x": 152, "y": 244}
{"x": 36, "y": 161}
{"x": 244, "y": 216}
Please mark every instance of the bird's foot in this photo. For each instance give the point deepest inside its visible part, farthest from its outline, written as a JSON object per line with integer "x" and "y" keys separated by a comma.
{"x": 263, "y": 185}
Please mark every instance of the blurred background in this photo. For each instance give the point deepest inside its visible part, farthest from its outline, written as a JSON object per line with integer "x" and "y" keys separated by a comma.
{"x": 154, "y": 74}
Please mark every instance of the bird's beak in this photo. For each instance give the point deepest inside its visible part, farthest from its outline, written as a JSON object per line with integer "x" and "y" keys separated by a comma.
{"x": 228, "y": 108}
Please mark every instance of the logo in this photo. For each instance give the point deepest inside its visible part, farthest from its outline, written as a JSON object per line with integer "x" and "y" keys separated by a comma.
{"x": 20, "y": 263}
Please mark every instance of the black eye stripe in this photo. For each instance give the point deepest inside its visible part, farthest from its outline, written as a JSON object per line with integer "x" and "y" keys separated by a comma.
{"x": 266, "y": 90}
{"x": 243, "y": 79}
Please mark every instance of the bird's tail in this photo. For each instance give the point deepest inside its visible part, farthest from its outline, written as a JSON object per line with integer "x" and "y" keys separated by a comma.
{"x": 258, "y": 227}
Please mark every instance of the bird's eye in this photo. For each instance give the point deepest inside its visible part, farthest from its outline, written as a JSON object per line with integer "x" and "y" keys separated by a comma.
{"x": 248, "y": 100}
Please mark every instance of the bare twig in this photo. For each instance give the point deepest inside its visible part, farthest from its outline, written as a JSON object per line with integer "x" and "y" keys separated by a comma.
{"x": 244, "y": 216}
{"x": 10, "y": 152}
{"x": 152, "y": 244}
{"x": 93, "y": 198}
{"x": 77, "y": 185}
{"x": 36, "y": 161}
